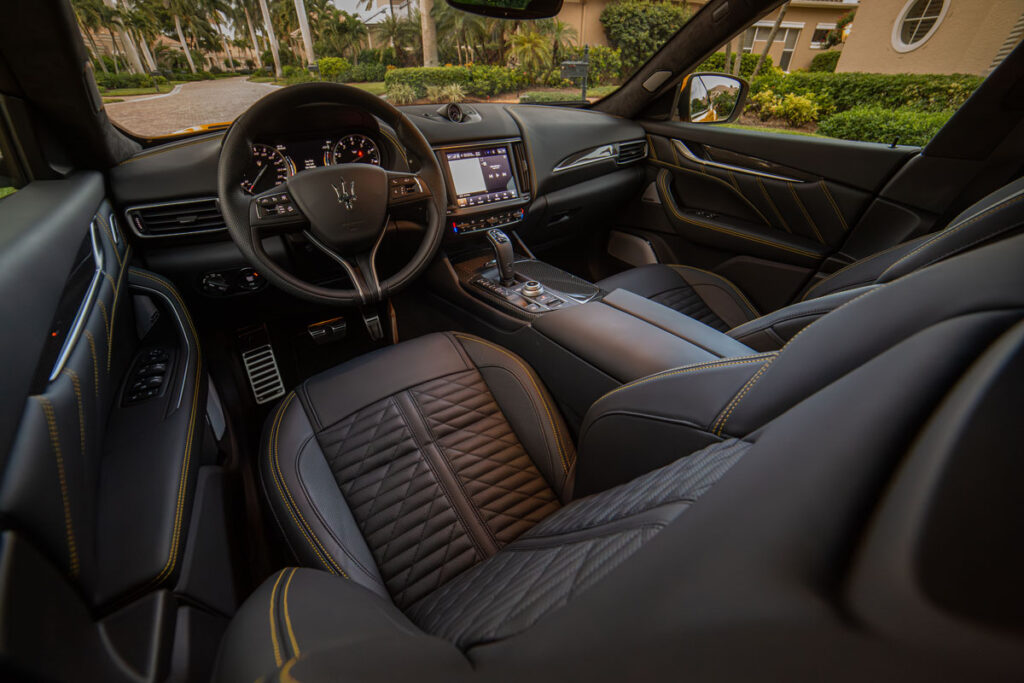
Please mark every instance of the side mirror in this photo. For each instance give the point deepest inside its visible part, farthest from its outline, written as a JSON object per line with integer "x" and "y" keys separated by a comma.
{"x": 510, "y": 9}
{"x": 711, "y": 98}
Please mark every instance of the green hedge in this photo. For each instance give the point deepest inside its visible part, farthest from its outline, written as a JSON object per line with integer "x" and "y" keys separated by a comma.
{"x": 838, "y": 92}
{"x": 111, "y": 81}
{"x": 477, "y": 81}
{"x": 605, "y": 63}
{"x": 825, "y": 61}
{"x": 716, "y": 62}
{"x": 881, "y": 124}
{"x": 640, "y": 28}
{"x": 546, "y": 96}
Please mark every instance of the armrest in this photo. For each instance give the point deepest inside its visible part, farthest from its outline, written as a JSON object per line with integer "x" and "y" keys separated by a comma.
{"x": 651, "y": 422}
{"x": 628, "y": 336}
{"x": 772, "y": 331}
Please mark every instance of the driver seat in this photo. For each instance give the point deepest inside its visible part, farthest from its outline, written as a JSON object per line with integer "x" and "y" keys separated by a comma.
{"x": 407, "y": 466}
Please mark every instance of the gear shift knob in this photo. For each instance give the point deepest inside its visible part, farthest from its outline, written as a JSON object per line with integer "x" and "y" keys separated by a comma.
{"x": 503, "y": 256}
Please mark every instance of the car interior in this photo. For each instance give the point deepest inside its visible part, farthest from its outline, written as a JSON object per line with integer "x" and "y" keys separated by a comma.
{"x": 506, "y": 391}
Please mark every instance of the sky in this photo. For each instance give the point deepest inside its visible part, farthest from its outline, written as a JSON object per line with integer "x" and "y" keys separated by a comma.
{"x": 351, "y": 6}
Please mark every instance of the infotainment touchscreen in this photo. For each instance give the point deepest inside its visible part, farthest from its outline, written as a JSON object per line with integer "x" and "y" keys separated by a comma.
{"x": 482, "y": 176}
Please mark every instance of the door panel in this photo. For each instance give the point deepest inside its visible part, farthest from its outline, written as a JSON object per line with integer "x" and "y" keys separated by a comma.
{"x": 772, "y": 212}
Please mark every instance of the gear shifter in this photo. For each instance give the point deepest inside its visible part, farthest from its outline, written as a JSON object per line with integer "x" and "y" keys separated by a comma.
{"x": 503, "y": 256}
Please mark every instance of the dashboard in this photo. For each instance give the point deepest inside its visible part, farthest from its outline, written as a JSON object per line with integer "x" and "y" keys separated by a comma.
{"x": 274, "y": 161}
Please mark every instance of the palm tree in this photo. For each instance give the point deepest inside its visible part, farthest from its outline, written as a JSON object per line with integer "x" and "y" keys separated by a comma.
{"x": 177, "y": 8}
{"x": 89, "y": 20}
{"x": 116, "y": 23}
{"x": 238, "y": 12}
{"x": 269, "y": 27}
{"x": 144, "y": 25}
{"x": 428, "y": 30}
{"x": 771, "y": 39}
{"x": 307, "y": 37}
{"x": 531, "y": 50}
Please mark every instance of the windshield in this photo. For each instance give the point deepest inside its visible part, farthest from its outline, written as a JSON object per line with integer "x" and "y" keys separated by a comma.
{"x": 178, "y": 66}
{"x": 879, "y": 72}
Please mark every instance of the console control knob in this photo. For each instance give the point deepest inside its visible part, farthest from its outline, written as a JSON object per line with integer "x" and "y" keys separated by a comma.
{"x": 532, "y": 288}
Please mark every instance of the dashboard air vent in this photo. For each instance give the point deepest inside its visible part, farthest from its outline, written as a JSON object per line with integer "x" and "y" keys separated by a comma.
{"x": 519, "y": 150}
{"x": 185, "y": 217}
{"x": 631, "y": 151}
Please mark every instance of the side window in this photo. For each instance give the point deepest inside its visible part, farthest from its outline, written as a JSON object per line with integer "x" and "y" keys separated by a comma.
{"x": 8, "y": 181}
{"x": 886, "y": 72}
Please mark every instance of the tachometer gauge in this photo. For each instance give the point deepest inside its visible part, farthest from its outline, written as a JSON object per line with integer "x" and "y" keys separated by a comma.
{"x": 267, "y": 169}
{"x": 356, "y": 149}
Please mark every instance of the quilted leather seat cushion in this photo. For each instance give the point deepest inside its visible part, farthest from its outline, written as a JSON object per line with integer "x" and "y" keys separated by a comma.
{"x": 427, "y": 479}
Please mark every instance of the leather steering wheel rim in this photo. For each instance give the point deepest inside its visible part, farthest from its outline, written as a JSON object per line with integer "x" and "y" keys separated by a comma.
{"x": 237, "y": 207}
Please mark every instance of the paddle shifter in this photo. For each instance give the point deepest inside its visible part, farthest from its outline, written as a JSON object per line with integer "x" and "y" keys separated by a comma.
{"x": 503, "y": 256}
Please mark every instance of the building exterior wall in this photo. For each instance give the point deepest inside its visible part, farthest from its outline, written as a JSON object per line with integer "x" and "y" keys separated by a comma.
{"x": 805, "y": 17}
{"x": 585, "y": 17}
{"x": 967, "y": 40}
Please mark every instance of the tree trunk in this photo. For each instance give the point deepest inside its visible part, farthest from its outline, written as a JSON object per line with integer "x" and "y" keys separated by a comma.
{"x": 150, "y": 62}
{"x": 96, "y": 50}
{"x": 428, "y": 31}
{"x": 223, "y": 41}
{"x": 113, "y": 49}
{"x": 771, "y": 39}
{"x": 271, "y": 38}
{"x": 739, "y": 58}
{"x": 184, "y": 45}
{"x": 307, "y": 36}
{"x": 728, "y": 57}
{"x": 127, "y": 44}
{"x": 252, "y": 37}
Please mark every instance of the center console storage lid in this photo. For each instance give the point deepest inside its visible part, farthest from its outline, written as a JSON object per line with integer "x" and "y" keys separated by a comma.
{"x": 628, "y": 336}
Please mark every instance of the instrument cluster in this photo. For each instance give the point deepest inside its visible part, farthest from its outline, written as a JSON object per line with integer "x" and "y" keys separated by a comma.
{"x": 272, "y": 164}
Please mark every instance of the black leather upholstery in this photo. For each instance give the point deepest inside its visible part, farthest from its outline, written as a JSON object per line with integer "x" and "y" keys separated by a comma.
{"x": 717, "y": 302}
{"x": 408, "y": 466}
{"x": 671, "y": 569}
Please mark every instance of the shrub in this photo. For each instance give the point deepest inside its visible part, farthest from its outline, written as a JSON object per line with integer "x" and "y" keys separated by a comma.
{"x": 400, "y": 93}
{"x": 541, "y": 96}
{"x": 369, "y": 71}
{"x": 796, "y": 110}
{"x": 452, "y": 92}
{"x": 605, "y": 63}
{"x": 639, "y": 28}
{"x": 881, "y": 124}
{"x": 331, "y": 68}
{"x": 477, "y": 81}
{"x": 825, "y": 61}
{"x": 845, "y": 91}
{"x": 716, "y": 62}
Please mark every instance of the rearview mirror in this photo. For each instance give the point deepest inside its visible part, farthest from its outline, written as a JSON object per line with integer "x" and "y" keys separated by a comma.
{"x": 711, "y": 98}
{"x": 510, "y": 9}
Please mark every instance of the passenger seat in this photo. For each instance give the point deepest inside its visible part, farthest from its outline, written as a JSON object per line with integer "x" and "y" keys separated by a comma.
{"x": 717, "y": 302}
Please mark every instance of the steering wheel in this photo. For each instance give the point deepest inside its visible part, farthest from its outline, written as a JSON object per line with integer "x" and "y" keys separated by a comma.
{"x": 343, "y": 210}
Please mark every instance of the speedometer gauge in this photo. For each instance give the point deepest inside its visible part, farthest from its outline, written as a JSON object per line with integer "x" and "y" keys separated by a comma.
{"x": 356, "y": 149}
{"x": 267, "y": 169}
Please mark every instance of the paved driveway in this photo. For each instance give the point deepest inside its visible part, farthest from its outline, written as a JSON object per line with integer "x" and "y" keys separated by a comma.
{"x": 187, "y": 105}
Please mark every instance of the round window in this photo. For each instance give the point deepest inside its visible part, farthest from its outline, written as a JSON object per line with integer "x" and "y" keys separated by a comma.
{"x": 917, "y": 22}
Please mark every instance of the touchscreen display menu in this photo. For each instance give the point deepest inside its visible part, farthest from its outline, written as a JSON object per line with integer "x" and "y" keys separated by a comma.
{"x": 482, "y": 176}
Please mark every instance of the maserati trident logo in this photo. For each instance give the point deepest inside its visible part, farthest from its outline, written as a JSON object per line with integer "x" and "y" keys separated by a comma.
{"x": 346, "y": 193}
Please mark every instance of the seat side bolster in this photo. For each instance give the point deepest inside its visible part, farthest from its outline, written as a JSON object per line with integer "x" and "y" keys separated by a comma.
{"x": 303, "y": 495}
{"x": 656, "y": 420}
{"x": 770, "y": 332}
{"x": 719, "y": 294}
{"x": 529, "y": 409}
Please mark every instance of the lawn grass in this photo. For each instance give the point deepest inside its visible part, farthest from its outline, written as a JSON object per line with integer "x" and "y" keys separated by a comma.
{"x": 372, "y": 87}
{"x": 4, "y": 191}
{"x": 112, "y": 100}
{"x": 127, "y": 92}
{"x": 773, "y": 129}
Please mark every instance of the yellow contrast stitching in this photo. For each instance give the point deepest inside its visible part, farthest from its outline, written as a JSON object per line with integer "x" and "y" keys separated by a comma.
{"x": 732, "y": 286}
{"x": 113, "y": 311}
{"x": 69, "y": 528}
{"x": 671, "y": 205}
{"x": 106, "y": 322}
{"x": 848, "y": 266}
{"x": 95, "y": 364}
{"x": 835, "y": 207}
{"x": 775, "y": 208}
{"x": 719, "y": 426}
{"x": 286, "y": 672}
{"x": 803, "y": 210}
{"x": 287, "y": 615}
{"x": 172, "y": 556}
{"x": 81, "y": 414}
{"x": 735, "y": 190}
{"x": 286, "y": 496}
{"x": 273, "y": 624}
{"x": 949, "y": 231}
{"x": 707, "y": 365}
{"x": 547, "y": 408}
